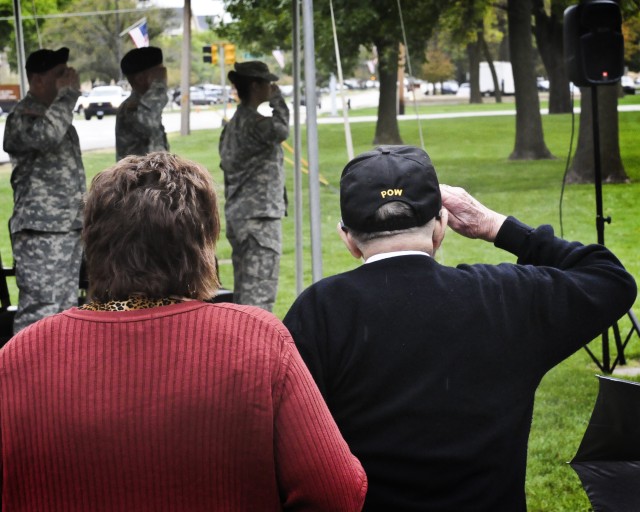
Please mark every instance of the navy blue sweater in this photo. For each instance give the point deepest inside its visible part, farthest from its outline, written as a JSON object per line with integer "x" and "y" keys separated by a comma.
{"x": 430, "y": 371}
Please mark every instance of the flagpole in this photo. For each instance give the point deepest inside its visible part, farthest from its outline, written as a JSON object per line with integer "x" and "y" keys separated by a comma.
{"x": 135, "y": 25}
{"x": 185, "y": 103}
{"x": 17, "y": 13}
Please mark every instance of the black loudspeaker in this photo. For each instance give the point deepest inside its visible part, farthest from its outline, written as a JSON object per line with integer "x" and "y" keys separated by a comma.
{"x": 593, "y": 43}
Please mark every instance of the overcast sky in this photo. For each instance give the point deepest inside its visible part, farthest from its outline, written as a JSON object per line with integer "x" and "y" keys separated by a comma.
{"x": 198, "y": 7}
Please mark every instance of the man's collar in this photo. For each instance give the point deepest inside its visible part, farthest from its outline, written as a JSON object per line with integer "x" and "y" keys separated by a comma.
{"x": 393, "y": 254}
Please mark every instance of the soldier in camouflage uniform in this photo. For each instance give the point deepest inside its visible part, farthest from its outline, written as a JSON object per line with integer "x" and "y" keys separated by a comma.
{"x": 251, "y": 158}
{"x": 48, "y": 183}
{"x": 139, "y": 127}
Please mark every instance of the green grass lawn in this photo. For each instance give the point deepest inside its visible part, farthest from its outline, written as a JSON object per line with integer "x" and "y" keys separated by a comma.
{"x": 472, "y": 153}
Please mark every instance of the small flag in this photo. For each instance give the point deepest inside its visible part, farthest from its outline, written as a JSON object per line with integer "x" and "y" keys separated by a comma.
{"x": 139, "y": 34}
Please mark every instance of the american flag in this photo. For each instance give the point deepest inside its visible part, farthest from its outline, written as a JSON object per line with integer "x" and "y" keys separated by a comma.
{"x": 139, "y": 34}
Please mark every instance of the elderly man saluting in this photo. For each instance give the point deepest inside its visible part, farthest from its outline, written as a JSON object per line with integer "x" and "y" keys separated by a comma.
{"x": 48, "y": 182}
{"x": 430, "y": 371}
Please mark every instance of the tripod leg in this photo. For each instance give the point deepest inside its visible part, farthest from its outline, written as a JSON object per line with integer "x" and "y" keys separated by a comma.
{"x": 606, "y": 360}
{"x": 619, "y": 346}
{"x": 634, "y": 323}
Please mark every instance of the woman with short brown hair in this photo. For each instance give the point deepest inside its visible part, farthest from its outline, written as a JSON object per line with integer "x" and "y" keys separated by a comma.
{"x": 148, "y": 398}
{"x": 151, "y": 229}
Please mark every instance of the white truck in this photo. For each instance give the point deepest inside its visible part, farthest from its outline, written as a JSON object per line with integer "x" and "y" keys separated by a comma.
{"x": 504, "y": 74}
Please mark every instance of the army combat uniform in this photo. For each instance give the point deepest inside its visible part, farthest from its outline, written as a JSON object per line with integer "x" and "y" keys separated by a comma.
{"x": 252, "y": 160}
{"x": 48, "y": 183}
{"x": 139, "y": 127}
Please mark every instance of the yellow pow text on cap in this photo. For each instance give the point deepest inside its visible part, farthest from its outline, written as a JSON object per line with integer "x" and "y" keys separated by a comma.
{"x": 391, "y": 192}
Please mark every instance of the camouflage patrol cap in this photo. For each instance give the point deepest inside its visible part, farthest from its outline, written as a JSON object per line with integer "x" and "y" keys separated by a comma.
{"x": 386, "y": 174}
{"x": 251, "y": 69}
{"x": 140, "y": 59}
{"x": 43, "y": 60}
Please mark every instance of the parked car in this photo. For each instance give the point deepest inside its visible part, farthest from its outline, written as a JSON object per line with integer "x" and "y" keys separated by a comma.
{"x": 542, "y": 84}
{"x": 81, "y": 102}
{"x": 197, "y": 96}
{"x": 216, "y": 93}
{"x": 464, "y": 90}
{"x": 303, "y": 99}
{"x": 627, "y": 85}
{"x": 104, "y": 100}
{"x": 450, "y": 87}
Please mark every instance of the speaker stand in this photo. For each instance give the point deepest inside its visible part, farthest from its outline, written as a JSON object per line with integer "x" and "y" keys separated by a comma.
{"x": 606, "y": 366}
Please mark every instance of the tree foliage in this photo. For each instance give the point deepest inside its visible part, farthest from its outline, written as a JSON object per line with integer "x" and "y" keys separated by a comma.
{"x": 31, "y": 25}
{"x": 472, "y": 24}
{"x": 95, "y": 42}
{"x": 438, "y": 66}
{"x": 631, "y": 32}
{"x": 368, "y": 23}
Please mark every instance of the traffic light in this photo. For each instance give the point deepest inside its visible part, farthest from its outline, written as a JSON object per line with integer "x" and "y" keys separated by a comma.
{"x": 593, "y": 43}
{"x": 210, "y": 54}
{"x": 229, "y": 53}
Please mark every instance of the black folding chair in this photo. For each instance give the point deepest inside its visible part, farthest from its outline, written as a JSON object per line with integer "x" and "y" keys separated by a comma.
{"x": 7, "y": 311}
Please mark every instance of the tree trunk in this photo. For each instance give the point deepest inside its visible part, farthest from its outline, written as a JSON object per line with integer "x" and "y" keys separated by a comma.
{"x": 529, "y": 143}
{"x": 497, "y": 90}
{"x": 473, "y": 52}
{"x": 549, "y": 39}
{"x": 582, "y": 168}
{"x": 387, "y": 131}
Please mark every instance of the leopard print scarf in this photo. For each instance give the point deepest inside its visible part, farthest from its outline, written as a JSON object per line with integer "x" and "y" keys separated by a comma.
{"x": 127, "y": 305}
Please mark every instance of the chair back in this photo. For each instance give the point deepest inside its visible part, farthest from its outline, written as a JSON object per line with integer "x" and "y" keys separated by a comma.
{"x": 7, "y": 311}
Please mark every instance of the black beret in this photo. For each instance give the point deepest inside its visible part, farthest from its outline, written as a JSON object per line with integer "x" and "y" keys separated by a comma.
{"x": 139, "y": 59}
{"x": 43, "y": 60}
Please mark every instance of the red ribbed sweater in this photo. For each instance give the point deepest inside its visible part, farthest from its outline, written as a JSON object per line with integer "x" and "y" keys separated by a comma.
{"x": 185, "y": 407}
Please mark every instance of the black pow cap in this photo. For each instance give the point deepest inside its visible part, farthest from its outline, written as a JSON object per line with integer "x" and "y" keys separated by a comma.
{"x": 43, "y": 60}
{"x": 386, "y": 174}
{"x": 140, "y": 59}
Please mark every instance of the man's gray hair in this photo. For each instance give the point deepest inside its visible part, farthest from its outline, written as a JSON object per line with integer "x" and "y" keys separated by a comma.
{"x": 392, "y": 210}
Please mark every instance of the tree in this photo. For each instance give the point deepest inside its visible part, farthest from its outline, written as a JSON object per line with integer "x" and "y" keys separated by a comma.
{"x": 370, "y": 23}
{"x": 631, "y": 32}
{"x": 482, "y": 42}
{"x": 438, "y": 66}
{"x": 529, "y": 144}
{"x": 549, "y": 39}
{"x": 468, "y": 21}
{"x": 473, "y": 54}
{"x": 582, "y": 168}
{"x": 95, "y": 42}
{"x": 30, "y": 26}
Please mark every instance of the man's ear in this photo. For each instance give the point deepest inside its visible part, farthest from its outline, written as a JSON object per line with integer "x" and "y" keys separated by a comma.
{"x": 348, "y": 241}
{"x": 440, "y": 229}
{"x": 36, "y": 81}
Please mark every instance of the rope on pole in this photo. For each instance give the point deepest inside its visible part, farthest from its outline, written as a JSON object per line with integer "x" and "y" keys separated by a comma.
{"x": 345, "y": 113}
{"x": 408, "y": 59}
